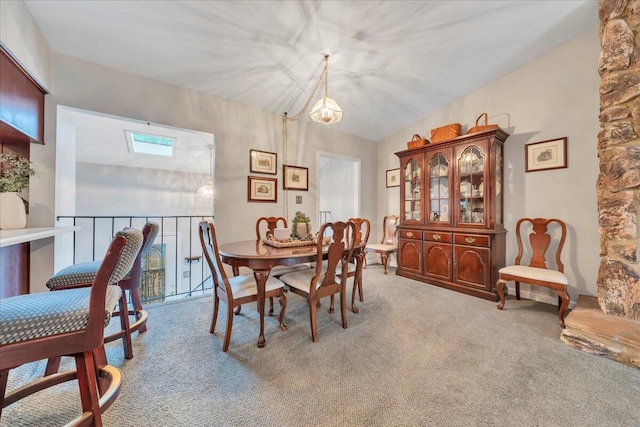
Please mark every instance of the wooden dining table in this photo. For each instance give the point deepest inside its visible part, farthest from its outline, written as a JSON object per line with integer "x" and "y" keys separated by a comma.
{"x": 261, "y": 258}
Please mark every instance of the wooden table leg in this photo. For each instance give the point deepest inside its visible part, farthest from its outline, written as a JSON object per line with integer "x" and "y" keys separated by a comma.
{"x": 261, "y": 277}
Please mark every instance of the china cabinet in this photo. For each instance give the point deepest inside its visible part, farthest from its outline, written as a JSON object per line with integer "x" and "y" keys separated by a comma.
{"x": 451, "y": 231}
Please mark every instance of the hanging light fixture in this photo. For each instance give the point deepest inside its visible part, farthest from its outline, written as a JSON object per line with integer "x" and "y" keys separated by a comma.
{"x": 207, "y": 190}
{"x": 326, "y": 110}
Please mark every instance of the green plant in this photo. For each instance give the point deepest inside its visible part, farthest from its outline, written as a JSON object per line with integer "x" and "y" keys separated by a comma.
{"x": 14, "y": 172}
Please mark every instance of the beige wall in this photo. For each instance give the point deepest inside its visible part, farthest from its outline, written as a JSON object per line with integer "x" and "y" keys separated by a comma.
{"x": 20, "y": 34}
{"x": 553, "y": 96}
{"x": 238, "y": 128}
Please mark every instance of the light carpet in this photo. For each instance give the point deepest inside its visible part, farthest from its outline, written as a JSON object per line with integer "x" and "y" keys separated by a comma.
{"x": 415, "y": 355}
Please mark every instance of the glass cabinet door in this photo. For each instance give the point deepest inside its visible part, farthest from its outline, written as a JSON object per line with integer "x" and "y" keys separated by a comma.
{"x": 412, "y": 185}
{"x": 439, "y": 188}
{"x": 471, "y": 165}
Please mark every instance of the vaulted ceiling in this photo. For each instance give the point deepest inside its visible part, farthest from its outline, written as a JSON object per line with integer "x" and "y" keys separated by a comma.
{"x": 392, "y": 62}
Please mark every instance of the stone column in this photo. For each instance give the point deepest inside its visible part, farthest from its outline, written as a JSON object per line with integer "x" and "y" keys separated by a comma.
{"x": 618, "y": 185}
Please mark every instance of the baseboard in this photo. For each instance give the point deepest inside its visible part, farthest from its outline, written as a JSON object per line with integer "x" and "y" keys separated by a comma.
{"x": 550, "y": 298}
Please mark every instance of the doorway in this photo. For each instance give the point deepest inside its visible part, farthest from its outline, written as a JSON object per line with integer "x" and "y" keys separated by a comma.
{"x": 339, "y": 187}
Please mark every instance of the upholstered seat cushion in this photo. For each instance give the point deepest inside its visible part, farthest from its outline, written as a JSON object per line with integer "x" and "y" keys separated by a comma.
{"x": 351, "y": 268}
{"x": 284, "y": 269}
{"x": 243, "y": 286}
{"x": 39, "y": 315}
{"x": 381, "y": 247}
{"x": 83, "y": 272}
{"x": 302, "y": 279}
{"x": 535, "y": 273}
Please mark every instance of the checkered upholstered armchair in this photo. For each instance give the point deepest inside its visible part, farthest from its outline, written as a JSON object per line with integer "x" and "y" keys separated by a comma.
{"x": 69, "y": 322}
{"x": 82, "y": 274}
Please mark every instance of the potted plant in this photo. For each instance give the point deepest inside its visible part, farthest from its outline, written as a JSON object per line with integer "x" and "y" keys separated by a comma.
{"x": 301, "y": 229}
{"x": 14, "y": 177}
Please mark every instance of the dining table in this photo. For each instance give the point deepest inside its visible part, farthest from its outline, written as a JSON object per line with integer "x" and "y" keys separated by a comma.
{"x": 261, "y": 258}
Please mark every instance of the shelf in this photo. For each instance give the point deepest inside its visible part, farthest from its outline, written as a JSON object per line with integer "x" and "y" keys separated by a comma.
{"x": 12, "y": 237}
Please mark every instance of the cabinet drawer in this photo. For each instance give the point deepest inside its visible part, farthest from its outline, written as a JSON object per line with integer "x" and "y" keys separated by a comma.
{"x": 472, "y": 240}
{"x": 411, "y": 234}
{"x": 435, "y": 236}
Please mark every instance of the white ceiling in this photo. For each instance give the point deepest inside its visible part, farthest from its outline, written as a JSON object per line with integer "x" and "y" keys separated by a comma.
{"x": 100, "y": 138}
{"x": 392, "y": 62}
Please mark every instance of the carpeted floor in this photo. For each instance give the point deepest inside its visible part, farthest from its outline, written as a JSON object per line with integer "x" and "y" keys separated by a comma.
{"x": 414, "y": 355}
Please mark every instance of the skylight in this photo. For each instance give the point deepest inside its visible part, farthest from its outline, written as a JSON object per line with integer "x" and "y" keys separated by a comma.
{"x": 144, "y": 143}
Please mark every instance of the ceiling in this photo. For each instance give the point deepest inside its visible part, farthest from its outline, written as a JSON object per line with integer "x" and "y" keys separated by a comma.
{"x": 392, "y": 62}
{"x": 100, "y": 138}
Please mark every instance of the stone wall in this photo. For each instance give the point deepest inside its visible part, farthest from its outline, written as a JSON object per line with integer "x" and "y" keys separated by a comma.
{"x": 618, "y": 184}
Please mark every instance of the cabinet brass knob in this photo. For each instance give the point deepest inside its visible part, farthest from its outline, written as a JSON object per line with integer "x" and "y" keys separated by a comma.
{"x": 409, "y": 234}
{"x": 470, "y": 239}
{"x": 436, "y": 237}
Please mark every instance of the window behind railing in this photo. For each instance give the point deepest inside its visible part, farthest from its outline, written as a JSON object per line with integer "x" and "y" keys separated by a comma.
{"x": 174, "y": 267}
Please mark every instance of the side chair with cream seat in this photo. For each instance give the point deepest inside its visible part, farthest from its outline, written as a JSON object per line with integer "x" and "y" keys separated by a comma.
{"x": 69, "y": 322}
{"x": 82, "y": 274}
{"x": 272, "y": 223}
{"x": 362, "y": 228}
{"x": 318, "y": 283}
{"x": 389, "y": 242}
{"x": 537, "y": 272}
{"x": 236, "y": 290}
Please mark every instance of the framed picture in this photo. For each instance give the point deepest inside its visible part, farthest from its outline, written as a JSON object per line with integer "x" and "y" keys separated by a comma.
{"x": 295, "y": 178}
{"x": 262, "y": 189}
{"x": 544, "y": 155}
{"x": 263, "y": 162}
{"x": 393, "y": 178}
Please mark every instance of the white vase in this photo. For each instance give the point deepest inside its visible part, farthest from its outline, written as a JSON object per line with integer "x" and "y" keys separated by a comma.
{"x": 303, "y": 230}
{"x": 12, "y": 212}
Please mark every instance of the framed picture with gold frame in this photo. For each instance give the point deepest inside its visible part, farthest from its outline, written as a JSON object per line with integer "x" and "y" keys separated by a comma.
{"x": 295, "y": 178}
{"x": 262, "y": 189}
{"x": 263, "y": 162}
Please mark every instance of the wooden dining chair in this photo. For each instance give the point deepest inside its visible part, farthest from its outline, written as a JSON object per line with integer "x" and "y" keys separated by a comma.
{"x": 82, "y": 274}
{"x": 271, "y": 223}
{"x": 537, "y": 272}
{"x": 69, "y": 322}
{"x": 389, "y": 242}
{"x": 236, "y": 290}
{"x": 277, "y": 271}
{"x": 318, "y": 283}
{"x": 362, "y": 228}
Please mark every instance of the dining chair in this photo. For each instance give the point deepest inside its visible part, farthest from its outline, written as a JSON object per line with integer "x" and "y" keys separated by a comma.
{"x": 389, "y": 242}
{"x": 82, "y": 274}
{"x": 318, "y": 283}
{"x": 68, "y": 322}
{"x": 235, "y": 290}
{"x": 277, "y": 271}
{"x": 362, "y": 228}
{"x": 271, "y": 223}
{"x": 537, "y": 272}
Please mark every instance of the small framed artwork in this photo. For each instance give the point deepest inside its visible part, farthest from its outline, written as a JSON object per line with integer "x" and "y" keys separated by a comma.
{"x": 393, "y": 178}
{"x": 545, "y": 155}
{"x": 295, "y": 178}
{"x": 263, "y": 162}
{"x": 262, "y": 189}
